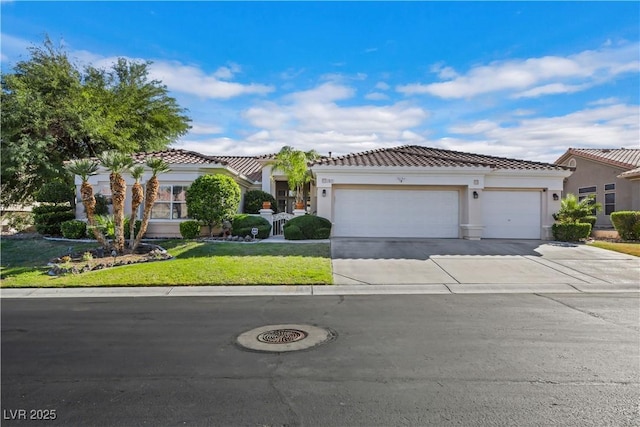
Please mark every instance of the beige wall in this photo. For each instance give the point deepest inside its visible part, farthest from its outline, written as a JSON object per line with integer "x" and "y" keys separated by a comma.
{"x": 589, "y": 173}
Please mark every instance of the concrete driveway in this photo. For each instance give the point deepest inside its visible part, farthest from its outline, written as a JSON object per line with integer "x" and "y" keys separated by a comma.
{"x": 473, "y": 266}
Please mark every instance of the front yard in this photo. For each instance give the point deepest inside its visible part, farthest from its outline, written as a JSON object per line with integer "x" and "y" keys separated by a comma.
{"x": 622, "y": 247}
{"x": 195, "y": 263}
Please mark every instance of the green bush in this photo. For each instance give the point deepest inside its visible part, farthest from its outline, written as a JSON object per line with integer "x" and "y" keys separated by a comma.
{"x": 190, "y": 229}
{"x": 47, "y": 218}
{"x": 293, "y": 232}
{"x": 56, "y": 192}
{"x": 136, "y": 227}
{"x": 243, "y": 223}
{"x": 571, "y": 232}
{"x": 591, "y": 219}
{"x": 253, "y": 201}
{"x": 74, "y": 229}
{"x": 213, "y": 198}
{"x": 627, "y": 224}
{"x": 107, "y": 224}
{"x": 309, "y": 226}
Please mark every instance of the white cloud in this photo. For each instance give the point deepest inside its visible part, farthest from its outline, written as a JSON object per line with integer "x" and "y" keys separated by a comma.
{"x": 227, "y": 73}
{"x": 549, "y": 74}
{"x": 382, "y": 86}
{"x": 542, "y": 138}
{"x": 376, "y": 96}
{"x": 190, "y": 79}
{"x": 311, "y": 119}
{"x": 204, "y": 129}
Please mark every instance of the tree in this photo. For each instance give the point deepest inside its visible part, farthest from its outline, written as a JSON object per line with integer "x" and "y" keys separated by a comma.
{"x": 157, "y": 167}
{"x": 213, "y": 198}
{"x": 86, "y": 168}
{"x": 117, "y": 163}
{"x": 294, "y": 164}
{"x": 573, "y": 211}
{"x": 137, "y": 197}
{"x": 53, "y": 112}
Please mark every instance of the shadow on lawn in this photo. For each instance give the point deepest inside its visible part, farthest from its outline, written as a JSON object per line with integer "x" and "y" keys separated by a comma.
{"x": 183, "y": 250}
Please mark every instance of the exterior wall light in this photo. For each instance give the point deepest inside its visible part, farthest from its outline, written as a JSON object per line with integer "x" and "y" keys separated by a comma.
{"x": 324, "y": 192}
{"x": 475, "y": 195}
{"x": 556, "y": 197}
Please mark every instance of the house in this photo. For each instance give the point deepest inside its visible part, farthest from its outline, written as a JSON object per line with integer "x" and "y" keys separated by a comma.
{"x": 415, "y": 191}
{"x": 611, "y": 175}
{"x": 406, "y": 191}
{"x": 170, "y": 207}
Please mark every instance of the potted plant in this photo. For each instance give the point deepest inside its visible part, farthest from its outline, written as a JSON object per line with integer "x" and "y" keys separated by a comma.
{"x": 294, "y": 164}
{"x": 266, "y": 204}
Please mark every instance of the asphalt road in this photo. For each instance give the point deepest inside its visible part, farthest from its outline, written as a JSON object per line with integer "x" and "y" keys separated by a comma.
{"x": 442, "y": 360}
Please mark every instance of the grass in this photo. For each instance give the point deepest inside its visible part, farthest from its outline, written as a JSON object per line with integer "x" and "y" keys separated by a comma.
{"x": 196, "y": 263}
{"x": 625, "y": 248}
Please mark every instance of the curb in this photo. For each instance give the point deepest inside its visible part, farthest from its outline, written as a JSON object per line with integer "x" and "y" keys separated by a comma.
{"x": 316, "y": 290}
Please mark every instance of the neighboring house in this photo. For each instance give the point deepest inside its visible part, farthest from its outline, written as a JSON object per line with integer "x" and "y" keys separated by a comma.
{"x": 612, "y": 175}
{"x": 406, "y": 191}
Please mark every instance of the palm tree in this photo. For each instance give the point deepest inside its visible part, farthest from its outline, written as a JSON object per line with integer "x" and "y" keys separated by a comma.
{"x": 117, "y": 163}
{"x": 157, "y": 167}
{"x": 572, "y": 210}
{"x": 137, "y": 197}
{"x": 86, "y": 168}
{"x": 294, "y": 164}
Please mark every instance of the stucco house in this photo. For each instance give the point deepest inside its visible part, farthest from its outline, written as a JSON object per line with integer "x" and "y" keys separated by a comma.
{"x": 406, "y": 191}
{"x": 612, "y": 175}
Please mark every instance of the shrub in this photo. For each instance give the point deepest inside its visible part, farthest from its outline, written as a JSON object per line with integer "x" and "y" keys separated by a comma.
{"x": 627, "y": 224}
{"x": 19, "y": 221}
{"x": 591, "y": 219}
{"x": 47, "y": 218}
{"x": 74, "y": 229}
{"x": 213, "y": 198}
{"x": 243, "y": 223}
{"x": 190, "y": 229}
{"x": 571, "y": 232}
{"x": 253, "y": 201}
{"x": 309, "y": 226}
{"x": 107, "y": 224}
{"x": 56, "y": 192}
{"x": 293, "y": 232}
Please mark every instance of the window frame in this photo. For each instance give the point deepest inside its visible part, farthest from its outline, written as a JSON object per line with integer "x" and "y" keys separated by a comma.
{"x": 609, "y": 207}
{"x": 172, "y": 203}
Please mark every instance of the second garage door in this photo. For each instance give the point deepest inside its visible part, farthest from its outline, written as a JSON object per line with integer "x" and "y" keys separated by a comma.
{"x": 379, "y": 212}
{"x": 511, "y": 214}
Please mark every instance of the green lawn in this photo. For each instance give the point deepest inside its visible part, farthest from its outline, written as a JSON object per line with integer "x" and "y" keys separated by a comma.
{"x": 625, "y": 248}
{"x": 196, "y": 263}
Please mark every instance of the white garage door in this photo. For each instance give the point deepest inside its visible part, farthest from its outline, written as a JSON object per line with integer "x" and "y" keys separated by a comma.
{"x": 511, "y": 214}
{"x": 395, "y": 213}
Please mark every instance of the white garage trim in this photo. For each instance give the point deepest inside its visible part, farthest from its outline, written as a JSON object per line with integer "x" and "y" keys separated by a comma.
{"x": 512, "y": 214}
{"x": 393, "y": 211}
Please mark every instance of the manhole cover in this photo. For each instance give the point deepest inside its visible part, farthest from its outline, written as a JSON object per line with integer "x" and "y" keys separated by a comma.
{"x": 283, "y": 338}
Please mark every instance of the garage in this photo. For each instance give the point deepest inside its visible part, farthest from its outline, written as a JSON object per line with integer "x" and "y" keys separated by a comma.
{"x": 392, "y": 212}
{"x": 511, "y": 214}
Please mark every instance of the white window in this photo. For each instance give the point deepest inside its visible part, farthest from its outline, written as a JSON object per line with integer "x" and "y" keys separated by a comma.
{"x": 170, "y": 203}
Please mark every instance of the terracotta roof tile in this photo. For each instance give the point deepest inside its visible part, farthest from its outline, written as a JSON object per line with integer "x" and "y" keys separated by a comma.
{"x": 626, "y": 158}
{"x": 246, "y": 165}
{"x": 419, "y": 156}
{"x": 175, "y": 156}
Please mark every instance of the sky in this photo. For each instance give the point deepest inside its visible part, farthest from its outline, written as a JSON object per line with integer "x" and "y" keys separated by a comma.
{"x": 524, "y": 80}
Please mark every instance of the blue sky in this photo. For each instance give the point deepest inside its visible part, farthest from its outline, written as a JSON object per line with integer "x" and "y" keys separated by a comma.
{"x": 516, "y": 79}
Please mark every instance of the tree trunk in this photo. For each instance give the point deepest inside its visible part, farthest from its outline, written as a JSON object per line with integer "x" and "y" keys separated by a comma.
{"x": 118, "y": 193}
{"x": 89, "y": 202}
{"x": 137, "y": 197}
{"x": 149, "y": 200}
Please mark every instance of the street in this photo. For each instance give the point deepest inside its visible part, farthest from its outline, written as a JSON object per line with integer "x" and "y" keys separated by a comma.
{"x": 483, "y": 359}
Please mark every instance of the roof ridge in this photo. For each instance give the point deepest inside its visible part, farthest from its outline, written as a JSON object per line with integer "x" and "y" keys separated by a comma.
{"x": 433, "y": 156}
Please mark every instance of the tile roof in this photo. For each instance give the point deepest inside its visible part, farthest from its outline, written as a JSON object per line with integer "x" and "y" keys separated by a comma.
{"x": 633, "y": 173}
{"x": 246, "y": 165}
{"x": 626, "y": 158}
{"x": 418, "y": 156}
{"x": 175, "y": 156}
